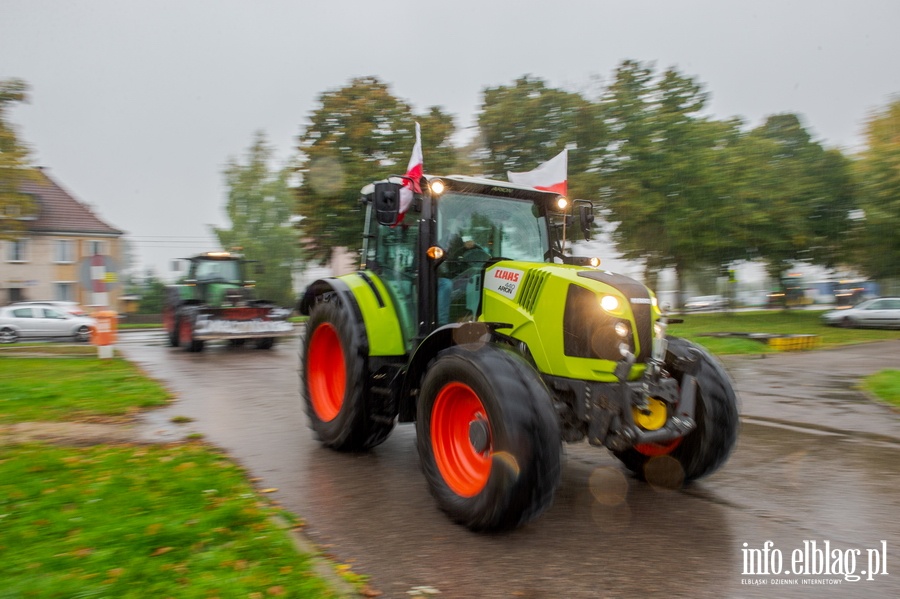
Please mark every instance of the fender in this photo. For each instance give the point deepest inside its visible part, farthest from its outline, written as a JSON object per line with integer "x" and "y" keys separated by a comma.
{"x": 373, "y": 309}
{"x": 333, "y": 285}
{"x": 457, "y": 333}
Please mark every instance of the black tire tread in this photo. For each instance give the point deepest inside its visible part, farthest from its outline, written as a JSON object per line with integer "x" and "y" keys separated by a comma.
{"x": 356, "y": 427}
{"x": 706, "y": 448}
{"x": 523, "y": 424}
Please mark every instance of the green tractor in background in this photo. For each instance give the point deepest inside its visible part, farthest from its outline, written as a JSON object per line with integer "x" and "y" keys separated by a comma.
{"x": 468, "y": 318}
{"x": 216, "y": 301}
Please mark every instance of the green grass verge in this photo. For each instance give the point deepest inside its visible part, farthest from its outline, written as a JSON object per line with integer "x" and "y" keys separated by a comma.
{"x": 42, "y": 348}
{"x": 129, "y": 521}
{"x": 885, "y": 385}
{"x": 140, "y": 521}
{"x": 75, "y": 388}
{"x": 780, "y": 322}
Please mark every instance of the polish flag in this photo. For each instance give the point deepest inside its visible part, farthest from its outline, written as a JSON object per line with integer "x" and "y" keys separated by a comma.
{"x": 552, "y": 176}
{"x": 414, "y": 172}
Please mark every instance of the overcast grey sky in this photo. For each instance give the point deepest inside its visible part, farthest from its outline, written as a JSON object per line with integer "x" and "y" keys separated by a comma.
{"x": 136, "y": 105}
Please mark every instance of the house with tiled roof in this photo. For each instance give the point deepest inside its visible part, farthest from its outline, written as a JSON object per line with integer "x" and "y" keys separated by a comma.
{"x": 66, "y": 252}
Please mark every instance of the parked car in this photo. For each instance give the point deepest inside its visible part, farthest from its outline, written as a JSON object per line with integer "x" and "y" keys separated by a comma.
{"x": 73, "y": 308}
{"x": 706, "y": 302}
{"x": 19, "y": 322}
{"x": 879, "y": 313}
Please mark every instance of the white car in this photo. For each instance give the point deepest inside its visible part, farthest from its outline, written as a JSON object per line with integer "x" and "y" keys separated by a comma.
{"x": 27, "y": 321}
{"x": 73, "y": 308}
{"x": 706, "y": 302}
{"x": 878, "y": 313}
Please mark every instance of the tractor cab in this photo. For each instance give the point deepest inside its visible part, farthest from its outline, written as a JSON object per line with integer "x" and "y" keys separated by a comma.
{"x": 218, "y": 278}
{"x": 456, "y": 228}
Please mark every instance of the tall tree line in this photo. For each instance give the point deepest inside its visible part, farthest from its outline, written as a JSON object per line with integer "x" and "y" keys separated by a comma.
{"x": 682, "y": 190}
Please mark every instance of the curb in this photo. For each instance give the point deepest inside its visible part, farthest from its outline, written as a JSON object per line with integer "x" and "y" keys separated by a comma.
{"x": 322, "y": 567}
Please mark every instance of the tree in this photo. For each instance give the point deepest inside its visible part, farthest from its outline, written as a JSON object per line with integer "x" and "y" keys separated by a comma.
{"x": 527, "y": 123}
{"x": 877, "y": 176}
{"x": 14, "y": 205}
{"x": 689, "y": 192}
{"x": 260, "y": 205}
{"x": 361, "y": 133}
{"x": 153, "y": 294}
{"x": 801, "y": 209}
{"x": 658, "y": 178}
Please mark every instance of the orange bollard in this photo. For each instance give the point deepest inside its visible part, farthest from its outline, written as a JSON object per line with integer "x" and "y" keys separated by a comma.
{"x": 104, "y": 334}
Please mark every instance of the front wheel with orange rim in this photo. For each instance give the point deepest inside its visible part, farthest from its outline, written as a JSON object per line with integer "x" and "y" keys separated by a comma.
{"x": 334, "y": 371}
{"x": 488, "y": 438}
{"x": 461, "y": 439}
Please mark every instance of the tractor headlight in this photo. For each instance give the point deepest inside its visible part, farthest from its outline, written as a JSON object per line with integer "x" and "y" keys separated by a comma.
{"x": 622, "y": 329}
{"x": 610, "y": 303}
{"x": 437, "y": 187}
{"x": 660, "y": 344}
{"x": 562, "y": 203}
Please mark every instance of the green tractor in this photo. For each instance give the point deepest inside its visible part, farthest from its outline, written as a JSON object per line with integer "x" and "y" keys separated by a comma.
{"x": 468, "y": 318}
{"x": 216, "y": 301}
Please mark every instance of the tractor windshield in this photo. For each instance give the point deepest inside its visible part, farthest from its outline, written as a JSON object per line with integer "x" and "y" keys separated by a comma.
{"x": 481, "y": 227}
{"x": 474, "y": 229}
{"x": 217, "y": 271}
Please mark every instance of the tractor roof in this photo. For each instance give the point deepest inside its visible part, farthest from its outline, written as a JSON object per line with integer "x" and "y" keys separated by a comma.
{"x": 217, "y": 256}
{"x": 476, "y": 185}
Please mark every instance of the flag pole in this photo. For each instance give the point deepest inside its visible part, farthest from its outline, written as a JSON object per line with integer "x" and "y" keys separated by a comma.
{"x": 565, "y": 218}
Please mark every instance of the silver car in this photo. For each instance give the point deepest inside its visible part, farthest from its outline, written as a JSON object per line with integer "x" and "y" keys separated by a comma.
{"x": 20, "y": 322}
{"x": 706, "y": 302}
{"x": 878, "y": 313}
{"x": 73, "y": 308}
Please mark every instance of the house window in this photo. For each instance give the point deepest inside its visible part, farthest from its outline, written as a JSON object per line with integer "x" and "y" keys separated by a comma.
{"x": 65, "y": 292}
{"x": 17, "y": 250}
{"x": 65, "y": 251}
{"x": 92, "y": 247}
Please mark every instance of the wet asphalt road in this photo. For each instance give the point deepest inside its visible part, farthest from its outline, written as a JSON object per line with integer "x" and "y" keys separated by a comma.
{"x": 816, "y": 461}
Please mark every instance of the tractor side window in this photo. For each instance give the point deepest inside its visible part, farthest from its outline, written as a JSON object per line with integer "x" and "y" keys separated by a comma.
{"x": 395, "y": 263}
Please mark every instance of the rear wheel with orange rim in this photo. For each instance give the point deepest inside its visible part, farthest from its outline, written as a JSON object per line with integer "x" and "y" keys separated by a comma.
{"x": 186, "y": 320}
{"x": 333, "y": 376}
{"x": 488, "y": 438}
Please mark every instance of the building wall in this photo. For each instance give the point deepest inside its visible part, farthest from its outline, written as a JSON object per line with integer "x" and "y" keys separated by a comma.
{"x": 23, "y": 274}
{"x": 48, "y": 272}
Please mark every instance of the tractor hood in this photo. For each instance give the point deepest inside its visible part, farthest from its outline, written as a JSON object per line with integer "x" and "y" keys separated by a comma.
{"x": 574, "y": 320}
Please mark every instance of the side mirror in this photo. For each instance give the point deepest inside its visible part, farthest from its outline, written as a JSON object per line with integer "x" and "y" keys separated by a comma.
{"x": 386, "y": 199}
{"x": 586, "y": 215}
